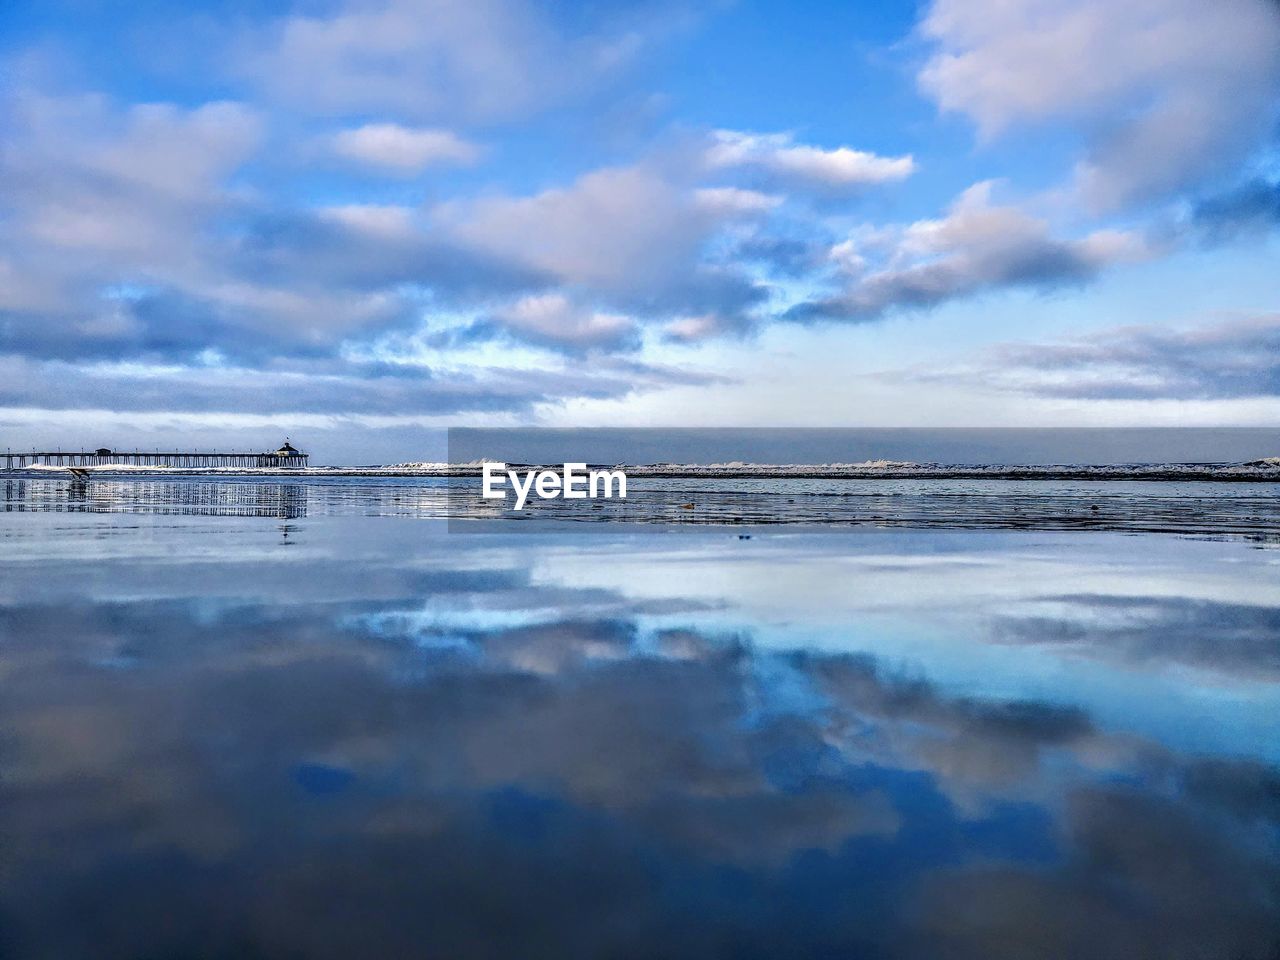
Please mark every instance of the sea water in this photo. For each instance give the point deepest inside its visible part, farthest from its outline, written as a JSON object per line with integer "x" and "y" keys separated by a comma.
{"x": 318, "y": 720}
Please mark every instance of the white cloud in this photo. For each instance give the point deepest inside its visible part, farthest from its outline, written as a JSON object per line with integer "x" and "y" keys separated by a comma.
{"x": 553, "y": 319}
{"x": 124, "y": 229}
{"x": 95, "y": 197}
{"x": 1168, "y": 91}
{"x": 464, "y": 58}
{"x": 977, "y": 246}
{"x": 778, "y": 154}
{"x": 637, "y": 239}
{"x": 1231, "y": 359}
{"x": 119, "y": 184}
{"x": 735, "y": 200}
{"x": 693, "y": 329}
{"x": 615, "y": 229}
{"x": 405, "y": 150}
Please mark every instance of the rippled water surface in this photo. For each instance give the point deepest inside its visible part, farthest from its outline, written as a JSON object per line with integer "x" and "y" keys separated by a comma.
{"x": 1203, "y": 508}
{"x": 269, "y": 725}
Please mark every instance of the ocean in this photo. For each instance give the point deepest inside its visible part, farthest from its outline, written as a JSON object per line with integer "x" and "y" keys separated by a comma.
{"x": 752, "y": 715}
{"x": 981, "y": 447}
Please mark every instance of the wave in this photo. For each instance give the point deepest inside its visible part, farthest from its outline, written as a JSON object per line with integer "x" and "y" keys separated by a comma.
{"x": 1264, "y": 469}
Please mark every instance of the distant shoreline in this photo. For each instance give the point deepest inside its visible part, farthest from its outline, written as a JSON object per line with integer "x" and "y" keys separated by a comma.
{"x": 1254, "y": 471}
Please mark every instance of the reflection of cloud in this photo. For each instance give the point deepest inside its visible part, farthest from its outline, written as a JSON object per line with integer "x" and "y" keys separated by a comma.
{"x": 1222, "y": 637}
{"x": 238, "y": 767}
{"x": 1249, "y": 789}
{"x": 1125, "y": 890}
{"x": 977, "y": 749}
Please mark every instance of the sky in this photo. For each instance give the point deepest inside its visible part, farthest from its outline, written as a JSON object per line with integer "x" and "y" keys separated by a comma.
{"x": 356, "y": 222}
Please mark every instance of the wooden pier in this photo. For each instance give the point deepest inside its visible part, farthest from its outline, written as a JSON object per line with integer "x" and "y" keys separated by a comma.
{"x": 286, "y": 457}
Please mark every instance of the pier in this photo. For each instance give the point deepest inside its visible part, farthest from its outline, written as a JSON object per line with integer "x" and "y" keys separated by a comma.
{"x": 287, "y": 456}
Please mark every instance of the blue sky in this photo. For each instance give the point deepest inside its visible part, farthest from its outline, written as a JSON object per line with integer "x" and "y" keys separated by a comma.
{"x": 361, "y": 220}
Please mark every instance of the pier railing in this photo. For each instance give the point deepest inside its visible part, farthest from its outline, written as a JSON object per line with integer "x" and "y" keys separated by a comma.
{"x": 137, "y": 458}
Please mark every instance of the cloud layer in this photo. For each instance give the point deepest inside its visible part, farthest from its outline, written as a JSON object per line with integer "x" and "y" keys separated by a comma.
{"x": 978, "y": 246}
{"x": 433, "y": 185}
{"x": 1163, "y": 94}
{"x": 490, "y": 59}
{"x": 1230, "y": 359}
{"x": 405, "y": 150}
{"x": 780, "y": 156}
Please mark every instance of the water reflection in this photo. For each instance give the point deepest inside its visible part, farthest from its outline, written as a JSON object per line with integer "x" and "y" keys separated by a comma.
{"x": 398, "y": 745}
{"x": 285, "y": 501}
{"x": 1239, "y": 638}
{"x": 1247, "y": 510}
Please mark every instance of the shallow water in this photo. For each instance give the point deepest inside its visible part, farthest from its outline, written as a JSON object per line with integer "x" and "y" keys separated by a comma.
{"x": 1191, "y": 508}
{"x": 325, "y": 734}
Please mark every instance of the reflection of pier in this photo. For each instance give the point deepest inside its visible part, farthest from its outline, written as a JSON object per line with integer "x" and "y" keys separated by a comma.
{"x": 283, "y": 501}
{"x": 286, "y": 456}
